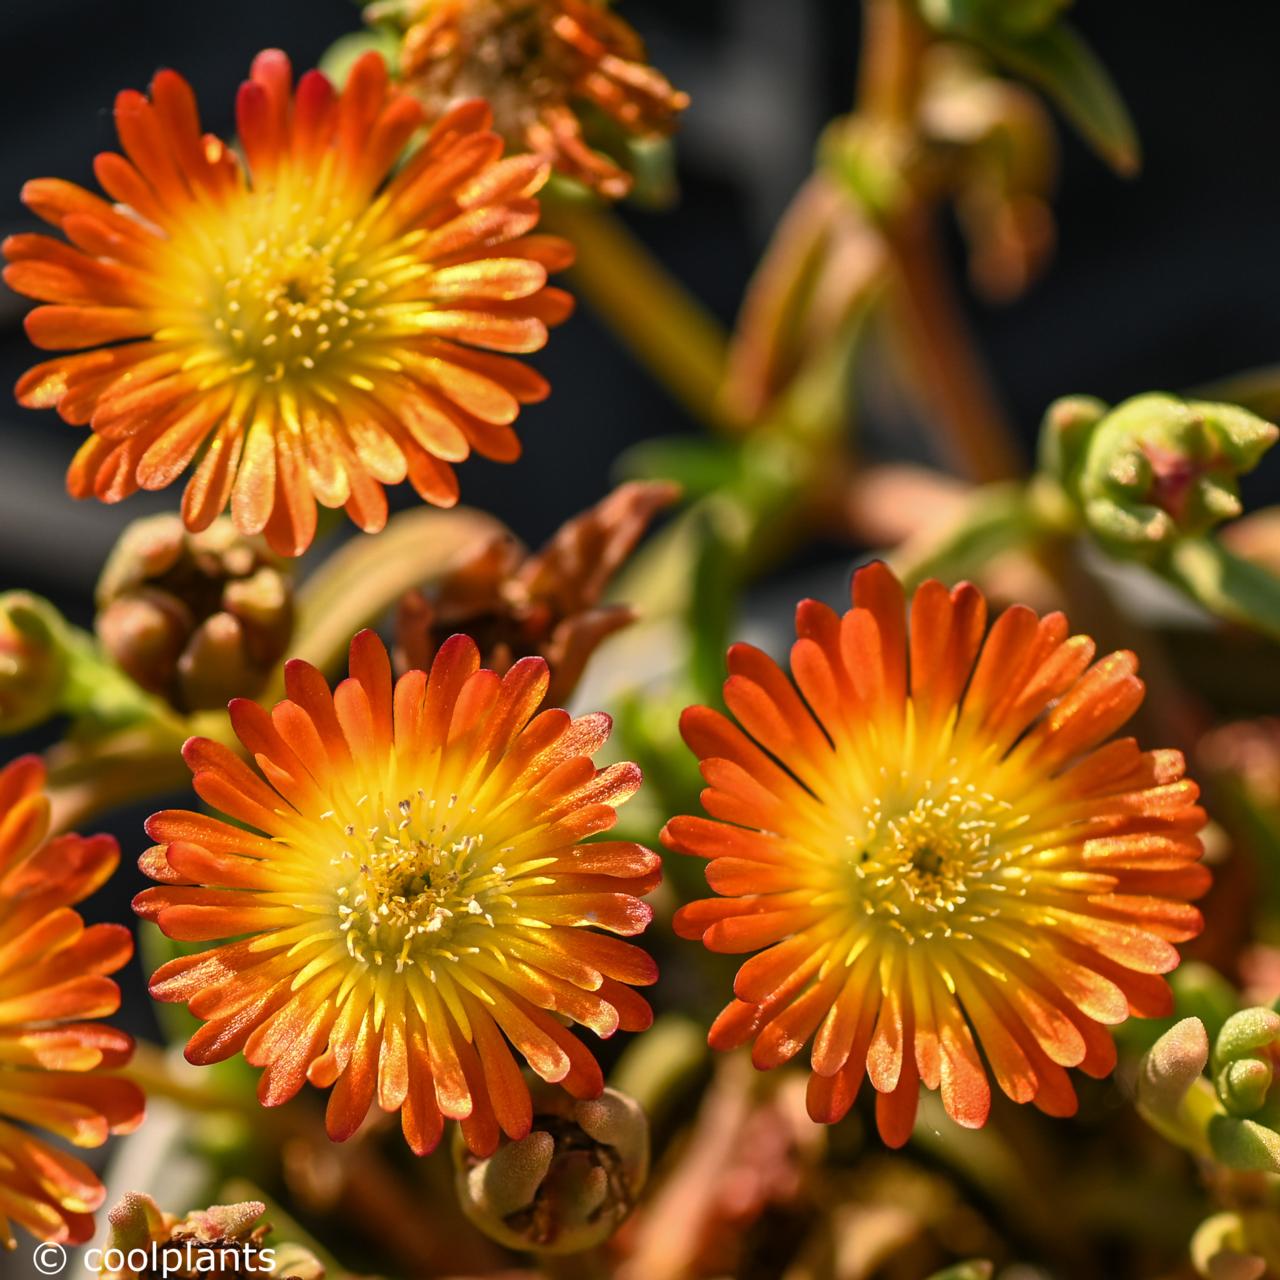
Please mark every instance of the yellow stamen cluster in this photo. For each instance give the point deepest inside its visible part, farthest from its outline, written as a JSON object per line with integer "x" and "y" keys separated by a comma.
{"x": 413, "y": 888}
{"x": 294, "y": 297}
{"x": 931, "y": 854}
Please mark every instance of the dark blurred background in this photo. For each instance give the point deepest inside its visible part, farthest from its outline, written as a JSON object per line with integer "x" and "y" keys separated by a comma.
{"x": 1171, "y": 280}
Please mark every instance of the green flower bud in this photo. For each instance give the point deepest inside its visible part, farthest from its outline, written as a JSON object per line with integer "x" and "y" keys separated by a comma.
{"x": 33, "y": 660}
{"x": 1243, "y": 1085}
{"x": 1244, "y": 1033}
{"x": 568, "y": 1185}
{"x": 197, "y": 618}
{"x": 1155, "y": 468}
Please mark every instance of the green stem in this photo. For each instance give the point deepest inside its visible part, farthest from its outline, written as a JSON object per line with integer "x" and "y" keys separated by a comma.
{"x": 668, "y": 330}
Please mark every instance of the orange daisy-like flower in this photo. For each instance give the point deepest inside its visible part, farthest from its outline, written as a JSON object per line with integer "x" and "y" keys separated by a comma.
{"x": 418, "y": 895}
{"x": 937, "y": 854}
{"x": 53, "y": 977}
{"x": 295, "y": 325}
{"x": 539, "y": 62}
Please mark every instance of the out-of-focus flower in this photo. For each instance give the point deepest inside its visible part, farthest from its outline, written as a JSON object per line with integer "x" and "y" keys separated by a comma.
{"x": 1004, "y": 159}
{"x": 546, "y": 66}
{"x": 54, "y": 973}
{"x": 412, "y": 891}
{"x": 515, "y": 604}
{"x": 223, "y": 1240}
{"x": 933, "y": 846}
{"x": 33, "y": 661}
{"x": 198, "y": 618}
{"x": 569, "y": 1184}
{"x": 307, "y": 332}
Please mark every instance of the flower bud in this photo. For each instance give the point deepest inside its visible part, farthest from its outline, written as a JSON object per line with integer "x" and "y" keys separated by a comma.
{"x": 33, "y": 661}
{"x": 568, "y": 1185}
{"x": 224, "y": 1240}
{"x": 197, "y": 618}
{"x": 1154, "y": 469}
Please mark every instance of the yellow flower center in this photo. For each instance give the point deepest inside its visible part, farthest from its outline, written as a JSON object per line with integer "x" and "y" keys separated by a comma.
{"x": 290, "y": 302}
{"x": 933, "y": 861}
{"x": 412, "y": 889}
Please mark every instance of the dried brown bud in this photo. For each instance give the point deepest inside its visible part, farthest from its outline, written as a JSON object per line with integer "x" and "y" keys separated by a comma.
{"x": 224, "y": 1240}
{"x": 570, "y": 1184}
{"x": 197, "y": 618}
{"x": 514, "y": 604}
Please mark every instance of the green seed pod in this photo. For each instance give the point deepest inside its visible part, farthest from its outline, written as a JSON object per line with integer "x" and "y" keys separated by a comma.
{"x": 566, "y": 1187}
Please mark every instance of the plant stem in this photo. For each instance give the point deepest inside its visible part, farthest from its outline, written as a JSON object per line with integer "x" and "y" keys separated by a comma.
{"x": 669, "y": 331}
{"x": 958, "y": 397}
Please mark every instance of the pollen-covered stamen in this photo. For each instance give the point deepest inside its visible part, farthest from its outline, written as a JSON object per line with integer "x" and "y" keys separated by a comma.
{"x": 414, "y": 889}
{"x": 932, "y": 862}
{"x": 298, "y": 297}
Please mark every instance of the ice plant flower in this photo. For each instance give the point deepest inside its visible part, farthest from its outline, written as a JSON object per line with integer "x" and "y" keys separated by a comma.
{"x": 413, "y": 894}
{"x": 53, "y": 982}
{"x": 935, "y": 849}
{"x": 543, "y": 64}
{"x": 296, "y": 325}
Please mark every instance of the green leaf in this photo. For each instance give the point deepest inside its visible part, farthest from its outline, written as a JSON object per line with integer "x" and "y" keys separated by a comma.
{"x": 1226, "y": 585}
{"x": 714, "y": 603}
{"x": 1060, "y": 62}
{"x": 698, "y": 466}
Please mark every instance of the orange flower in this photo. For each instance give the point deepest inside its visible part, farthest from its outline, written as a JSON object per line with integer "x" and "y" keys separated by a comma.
{"x": 935, "y": 849}
{"x": 53, "y": 974}
{"x": 539, "y": 62}
{"x": 418, "y": 892}
{"x": 306, "y": 332}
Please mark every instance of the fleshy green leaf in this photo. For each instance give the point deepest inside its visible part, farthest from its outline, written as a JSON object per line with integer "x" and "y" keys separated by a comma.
{"x": 1064, "y": 66}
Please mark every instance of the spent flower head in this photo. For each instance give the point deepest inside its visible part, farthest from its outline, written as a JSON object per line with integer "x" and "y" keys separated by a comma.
{"x": 515, "y": 603}
{"x": 551, "y": 69}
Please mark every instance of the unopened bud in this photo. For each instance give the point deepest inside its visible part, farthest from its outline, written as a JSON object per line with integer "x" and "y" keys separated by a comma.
{"x": 227, "y": 1240}
{"x": 1244, "y": 1033}
{"x": 568, "y": 1185}
{"x": 1154, "y": 469}
{"x": 197, "y": 618}
{"x": 33, "y": 661}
